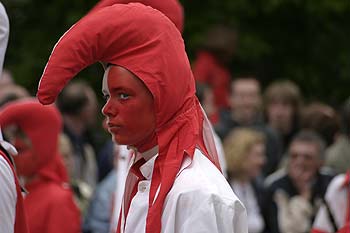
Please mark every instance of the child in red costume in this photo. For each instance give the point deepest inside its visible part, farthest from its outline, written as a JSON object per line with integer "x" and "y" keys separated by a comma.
{"x": 174, "y": 183}
{"x": 49, "y": 202}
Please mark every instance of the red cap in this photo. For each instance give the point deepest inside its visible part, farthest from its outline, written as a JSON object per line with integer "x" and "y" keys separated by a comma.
{"x": 42, "y": 125}
{"x": 171, "y": 8}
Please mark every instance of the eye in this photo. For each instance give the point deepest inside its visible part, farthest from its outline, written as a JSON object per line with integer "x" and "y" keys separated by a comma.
{"x": 123, "y": 96}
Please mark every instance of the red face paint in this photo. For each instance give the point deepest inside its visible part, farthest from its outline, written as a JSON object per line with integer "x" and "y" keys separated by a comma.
{"x": 26, "y": 162}
{"x": 129, "y": 109}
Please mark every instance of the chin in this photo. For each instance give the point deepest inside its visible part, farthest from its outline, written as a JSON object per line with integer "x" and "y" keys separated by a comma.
{"x": 120, "y": 141}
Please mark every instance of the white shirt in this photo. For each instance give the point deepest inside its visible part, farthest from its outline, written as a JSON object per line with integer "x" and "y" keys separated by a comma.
{"x": 4, "y": 34}
{"x": 8, "y": 197}
{"x": 246, "y": 194}
{"x": 200, "y": 200}
{"x": 336, "y": 197}
{"x": 221, "y": 154}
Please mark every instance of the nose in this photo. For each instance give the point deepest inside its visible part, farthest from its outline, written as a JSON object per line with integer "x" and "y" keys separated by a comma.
{"x": 108, "y": 109}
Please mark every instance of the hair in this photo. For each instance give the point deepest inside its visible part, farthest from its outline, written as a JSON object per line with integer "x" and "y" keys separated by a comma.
{"x": 285, "y": 91}
{"x": 322, "y": 119}
{"x": 245, "y": 78}
{"x": 309, "y": 136}
{"x": 236, "y": 146}
{"x": 11, "y": 93}
{"x": 73, "y": 98}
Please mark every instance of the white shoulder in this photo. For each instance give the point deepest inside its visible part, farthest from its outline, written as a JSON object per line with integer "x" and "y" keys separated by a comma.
{"x": 8, "y": 196}
{"x": 335, "y": 186}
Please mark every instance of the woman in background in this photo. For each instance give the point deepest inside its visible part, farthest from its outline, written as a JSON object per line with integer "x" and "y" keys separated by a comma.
{"x": 245, "y": 156}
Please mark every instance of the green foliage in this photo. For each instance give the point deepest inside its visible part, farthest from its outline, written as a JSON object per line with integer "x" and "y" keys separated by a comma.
{"x": 36, "y": 26}
{"x": 303, "y": 40}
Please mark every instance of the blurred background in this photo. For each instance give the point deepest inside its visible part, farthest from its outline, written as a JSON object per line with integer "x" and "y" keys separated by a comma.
{"x": 303, "y": 41}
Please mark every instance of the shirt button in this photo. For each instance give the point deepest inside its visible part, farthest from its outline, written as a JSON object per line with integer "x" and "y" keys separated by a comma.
{"x": 142, "y": 188}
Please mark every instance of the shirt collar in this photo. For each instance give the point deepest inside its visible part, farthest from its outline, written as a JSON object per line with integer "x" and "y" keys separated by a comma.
{"x": 150, "y": 156}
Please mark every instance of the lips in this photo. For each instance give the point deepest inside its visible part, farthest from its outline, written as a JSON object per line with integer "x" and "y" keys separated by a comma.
{"x": 113, "y": 127}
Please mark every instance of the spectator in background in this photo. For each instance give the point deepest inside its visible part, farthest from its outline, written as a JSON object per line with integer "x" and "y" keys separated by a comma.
{"x": 246, "y": 111}
{"x": 322, "y": 119}
{"x": 99, "y": 213}
{"x": 12, "y": 92}
{"x": 293, "y": 195}
{"x": 334, "y": 214}
{"x": 282, "y": 104}
{"x": 49, "y": 203}
{"x": 78, "y": 106}
{"x": 338, "y": 154}
{"x": 245, "y": 157}
{"x": 211, "y": 64}
{"x": 9, "y": 90}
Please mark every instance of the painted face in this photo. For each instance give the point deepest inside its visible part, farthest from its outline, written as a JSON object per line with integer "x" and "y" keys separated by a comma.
{"x": 129, "y": 108}
{"x": 26, "y": 161}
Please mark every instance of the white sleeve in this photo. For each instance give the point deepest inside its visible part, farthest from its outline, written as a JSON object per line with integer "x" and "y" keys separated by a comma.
{"x": 4, "y": 34}
{"x": 322, "y": 221}
{"x": 216, "y": 215}
{"x": 8, "y": 197}
{"x": 221, "y": 154}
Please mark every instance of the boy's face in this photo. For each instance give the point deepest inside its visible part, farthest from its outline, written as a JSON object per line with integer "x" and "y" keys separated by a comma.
{"x": 129, "y": 107}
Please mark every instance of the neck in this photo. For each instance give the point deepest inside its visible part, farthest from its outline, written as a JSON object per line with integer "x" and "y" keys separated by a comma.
{"x": 147, "y": 144}
{"x": 147, "y": 155}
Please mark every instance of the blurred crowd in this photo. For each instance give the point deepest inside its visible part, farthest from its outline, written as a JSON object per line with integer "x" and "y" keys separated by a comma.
{"x": 281, "y": 154}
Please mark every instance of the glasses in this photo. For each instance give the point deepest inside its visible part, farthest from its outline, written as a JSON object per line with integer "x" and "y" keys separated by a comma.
{"x": 305, "y": 156}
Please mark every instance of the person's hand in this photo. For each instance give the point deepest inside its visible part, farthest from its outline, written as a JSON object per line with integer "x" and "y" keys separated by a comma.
{"x": 294, "y": 213}
{"x": 301, "y": 178}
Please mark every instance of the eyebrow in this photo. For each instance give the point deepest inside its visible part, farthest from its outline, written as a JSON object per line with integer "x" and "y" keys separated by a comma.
{"x": 116, "y": 89}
